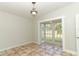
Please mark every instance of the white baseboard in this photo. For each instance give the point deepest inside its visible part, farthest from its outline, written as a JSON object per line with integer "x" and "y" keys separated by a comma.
{"x": 23, "y": 43}
{"x": 72, "y": 52}
{"x": 36, "y": 43}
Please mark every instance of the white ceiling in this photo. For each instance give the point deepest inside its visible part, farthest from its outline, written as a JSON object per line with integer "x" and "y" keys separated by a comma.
{"x": 23, "y": 8}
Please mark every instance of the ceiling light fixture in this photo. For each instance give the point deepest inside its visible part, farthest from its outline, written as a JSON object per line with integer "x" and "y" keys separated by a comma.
{"x": 33, "y": 11}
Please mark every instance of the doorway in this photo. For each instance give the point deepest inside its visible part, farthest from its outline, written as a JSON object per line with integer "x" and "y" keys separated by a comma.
{"x": 51, "y": 32}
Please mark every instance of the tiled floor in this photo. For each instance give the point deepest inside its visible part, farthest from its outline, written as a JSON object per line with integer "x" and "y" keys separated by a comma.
{"x": 33, "y": 49}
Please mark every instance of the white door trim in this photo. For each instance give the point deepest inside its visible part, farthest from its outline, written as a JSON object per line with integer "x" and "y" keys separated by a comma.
{"x": 63, "y": 32}
{"x": 77, "y": 34}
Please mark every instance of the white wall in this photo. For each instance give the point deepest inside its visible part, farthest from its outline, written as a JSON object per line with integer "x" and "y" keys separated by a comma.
{"x": 14, "y": 30}
{"x": 69, "y": 23}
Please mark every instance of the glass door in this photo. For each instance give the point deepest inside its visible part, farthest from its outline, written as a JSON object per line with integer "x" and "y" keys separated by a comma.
{"x": 51, "y": 32}
{"x": 58, "y": 34}
{"x": 46, "y": 32}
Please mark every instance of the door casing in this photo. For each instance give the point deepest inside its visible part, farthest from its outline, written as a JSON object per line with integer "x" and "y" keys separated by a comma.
{"x": 51, "y": 19}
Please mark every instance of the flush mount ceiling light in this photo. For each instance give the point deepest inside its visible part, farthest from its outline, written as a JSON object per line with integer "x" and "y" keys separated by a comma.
{"x": 33, "y": 11}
